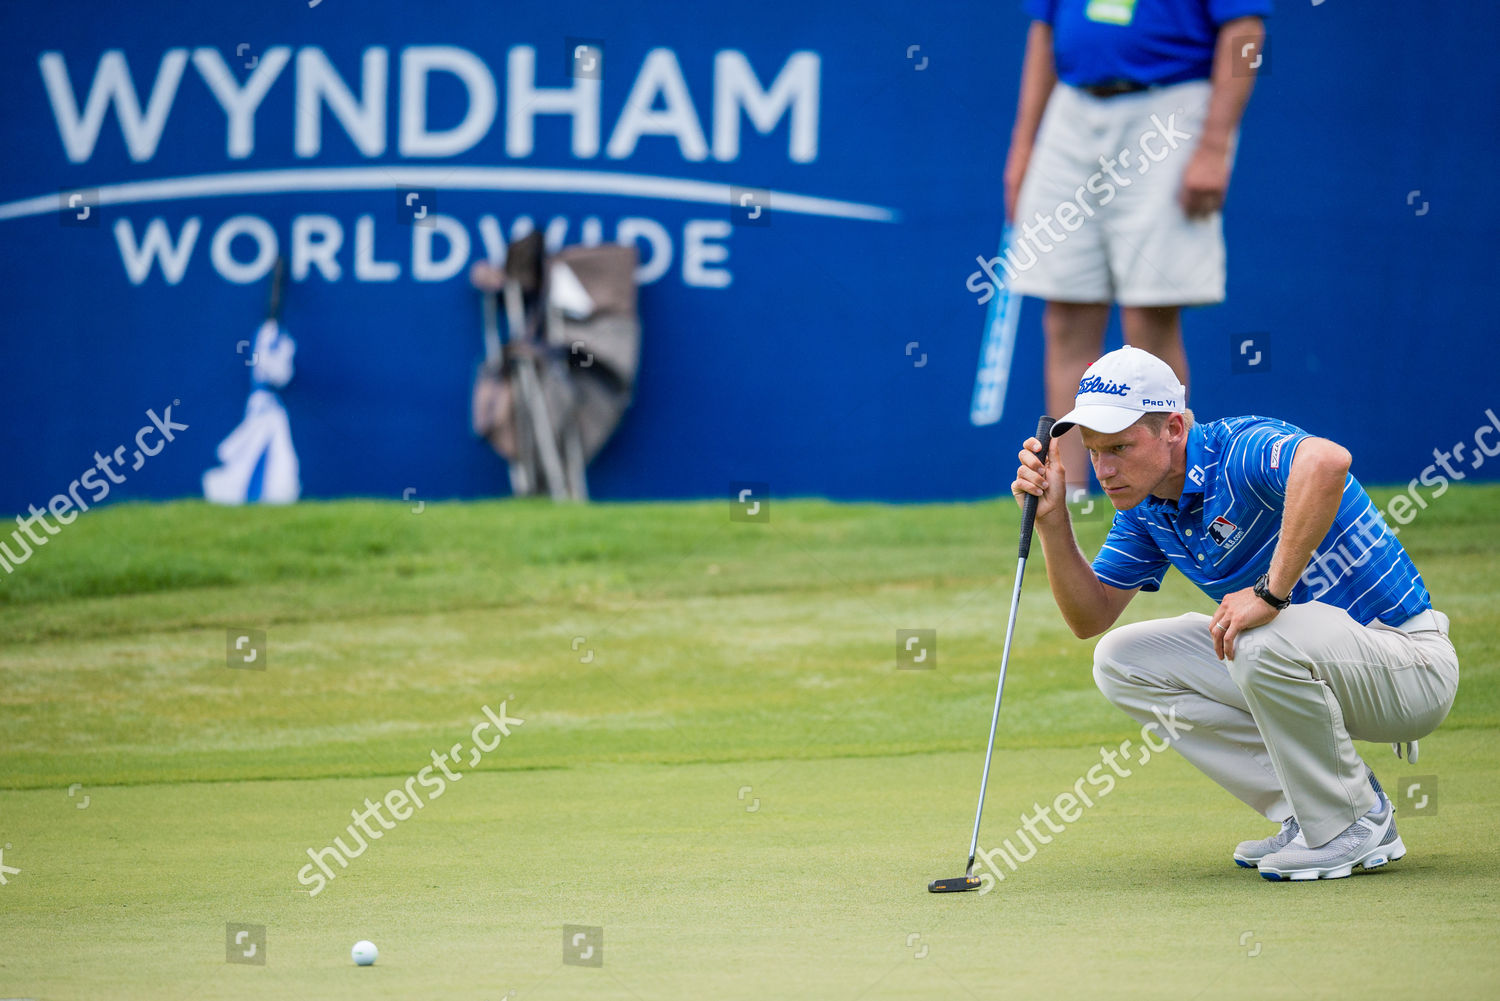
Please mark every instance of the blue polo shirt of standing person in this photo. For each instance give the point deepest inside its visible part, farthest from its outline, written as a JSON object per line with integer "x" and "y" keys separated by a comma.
{"x": 1151, "y": 42}
{"x": 1222, "y": 531}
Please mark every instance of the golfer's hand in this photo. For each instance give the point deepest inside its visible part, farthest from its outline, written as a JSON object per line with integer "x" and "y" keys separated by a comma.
{"x": 1205, "y": 182}
{"x": 1048, "y": 482}
{"x": 1237, "y": 612}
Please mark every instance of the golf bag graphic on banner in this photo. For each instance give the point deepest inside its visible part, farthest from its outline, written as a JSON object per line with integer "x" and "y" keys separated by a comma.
{"x": 548, "y": 396}
{"x": 257, "y": 461}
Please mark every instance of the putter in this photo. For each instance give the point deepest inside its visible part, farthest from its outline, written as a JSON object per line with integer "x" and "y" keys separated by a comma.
{"x": 969, "y": 881}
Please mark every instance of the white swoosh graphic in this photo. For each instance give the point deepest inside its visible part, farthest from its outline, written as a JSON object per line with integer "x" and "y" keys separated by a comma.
{"x": 394, "y": 178}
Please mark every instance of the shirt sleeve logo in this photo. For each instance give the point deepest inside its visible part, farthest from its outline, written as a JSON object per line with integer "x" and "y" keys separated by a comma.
{"x": 1276, "y": 451}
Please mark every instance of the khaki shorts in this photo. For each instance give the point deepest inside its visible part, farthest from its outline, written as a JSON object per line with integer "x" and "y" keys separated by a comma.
{"x": 1104, "y": 177}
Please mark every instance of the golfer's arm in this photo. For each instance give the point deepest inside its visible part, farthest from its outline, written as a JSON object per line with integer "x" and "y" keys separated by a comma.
{"x": 1038, "y": 77}
{"x": 1088, "y": 605}
{"x": 1314, "y": 489}
{"x": 1231, "y": 83}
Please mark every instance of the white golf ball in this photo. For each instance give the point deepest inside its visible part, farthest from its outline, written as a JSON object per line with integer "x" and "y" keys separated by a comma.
{"x": 364, "y": 953}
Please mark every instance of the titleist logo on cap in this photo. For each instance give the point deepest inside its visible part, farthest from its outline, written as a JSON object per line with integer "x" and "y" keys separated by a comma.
{"x": 1094, "y": 384}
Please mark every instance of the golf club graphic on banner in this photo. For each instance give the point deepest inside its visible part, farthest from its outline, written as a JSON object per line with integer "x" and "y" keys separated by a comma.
{"x": 997, "y": 349}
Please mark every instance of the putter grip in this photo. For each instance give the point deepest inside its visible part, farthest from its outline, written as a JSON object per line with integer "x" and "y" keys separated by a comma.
{"x": 1028, "y": 506}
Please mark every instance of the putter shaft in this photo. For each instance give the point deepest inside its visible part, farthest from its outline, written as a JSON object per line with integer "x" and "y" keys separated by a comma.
{"x": 1028, "y": 519}
{"x": 989, "y": 750}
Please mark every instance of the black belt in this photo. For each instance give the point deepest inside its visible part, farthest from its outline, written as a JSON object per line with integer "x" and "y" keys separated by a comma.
{"x": 1114, "y": 88}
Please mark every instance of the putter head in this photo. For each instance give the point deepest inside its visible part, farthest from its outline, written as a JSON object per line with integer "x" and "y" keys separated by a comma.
{"x": 958, "y": 884}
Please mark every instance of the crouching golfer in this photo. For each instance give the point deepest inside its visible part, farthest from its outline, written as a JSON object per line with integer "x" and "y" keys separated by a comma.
{"x": 1324, "y": 632}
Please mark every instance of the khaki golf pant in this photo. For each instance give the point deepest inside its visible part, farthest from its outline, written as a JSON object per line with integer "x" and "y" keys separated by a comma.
{"x": 1275, "y": 725}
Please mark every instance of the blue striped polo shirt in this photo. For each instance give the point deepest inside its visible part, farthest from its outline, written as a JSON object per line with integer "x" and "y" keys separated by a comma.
{"x": 1223, "y": 529}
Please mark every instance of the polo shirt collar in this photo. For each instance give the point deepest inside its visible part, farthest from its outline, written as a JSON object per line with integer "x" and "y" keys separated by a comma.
{"x": 1198, "y": 455}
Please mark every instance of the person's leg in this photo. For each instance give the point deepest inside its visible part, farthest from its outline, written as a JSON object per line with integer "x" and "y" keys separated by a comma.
{"x": 1168, "y": 665}
{"x": 1315, "y": 679}
{"x": 1157, "y": 329}
{"x": 1075, "y": 340}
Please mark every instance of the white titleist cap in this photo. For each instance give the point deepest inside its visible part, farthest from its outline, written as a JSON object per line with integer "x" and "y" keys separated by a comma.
{"x": 1118, "y": 388}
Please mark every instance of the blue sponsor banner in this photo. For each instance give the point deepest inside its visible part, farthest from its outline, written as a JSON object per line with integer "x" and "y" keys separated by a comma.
{"x": 814, "y": 191}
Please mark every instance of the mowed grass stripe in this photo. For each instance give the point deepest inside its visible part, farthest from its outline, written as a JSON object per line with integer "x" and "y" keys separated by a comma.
{"x": 697, "y": 639}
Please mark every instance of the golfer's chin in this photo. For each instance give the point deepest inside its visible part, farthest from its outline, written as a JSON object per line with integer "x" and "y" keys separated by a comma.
{"x": 1124, "y": 498}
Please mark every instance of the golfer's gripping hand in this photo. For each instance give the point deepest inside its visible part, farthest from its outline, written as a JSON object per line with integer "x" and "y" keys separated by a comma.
{"x": 1048, "y": 482}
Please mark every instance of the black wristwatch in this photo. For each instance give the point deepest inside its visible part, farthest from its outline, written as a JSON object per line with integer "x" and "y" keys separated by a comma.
{"x": 1263, "y": 591}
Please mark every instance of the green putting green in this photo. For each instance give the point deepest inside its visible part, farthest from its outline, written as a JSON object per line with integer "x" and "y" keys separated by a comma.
{"x": 720, "y": 766}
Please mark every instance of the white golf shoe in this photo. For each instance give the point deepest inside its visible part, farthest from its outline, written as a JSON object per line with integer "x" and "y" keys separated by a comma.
{"x": 1370, "y": 842}
{"x": 1249, "y": 853}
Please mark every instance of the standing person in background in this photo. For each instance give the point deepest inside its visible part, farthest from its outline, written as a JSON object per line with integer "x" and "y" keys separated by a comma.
{"x": 1118, "y": 167}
